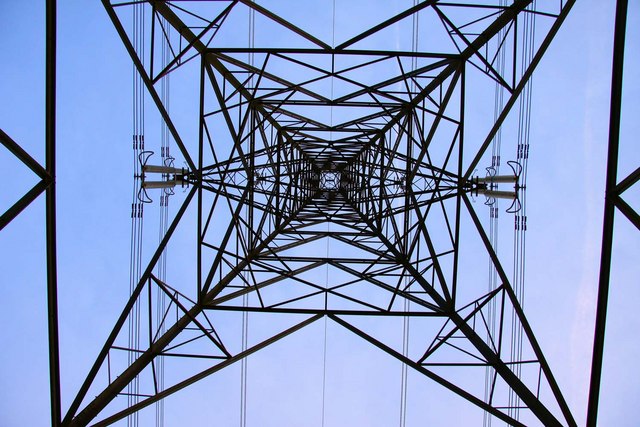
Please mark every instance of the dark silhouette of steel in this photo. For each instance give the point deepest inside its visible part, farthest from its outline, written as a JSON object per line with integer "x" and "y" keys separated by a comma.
{"x": 51, "y": 241}
{"x": 306, "y": 178}
{"x": 37, "y": 189}
{"x": 345, "y": 204}
{"x": 47, "y": 185}
{"x": 613, "y": 200}
{"x": 303, "y": 177}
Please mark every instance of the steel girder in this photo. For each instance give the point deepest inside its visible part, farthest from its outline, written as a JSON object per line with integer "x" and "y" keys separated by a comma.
{"x": 47, "y": 185}
{"x": 388, "y": 176}
{"x": 614, "y": 190}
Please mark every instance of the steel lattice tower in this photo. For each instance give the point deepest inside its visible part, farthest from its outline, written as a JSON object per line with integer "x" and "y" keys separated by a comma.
{"x": 303, "y": 144}
{"x": 317, "y": 134}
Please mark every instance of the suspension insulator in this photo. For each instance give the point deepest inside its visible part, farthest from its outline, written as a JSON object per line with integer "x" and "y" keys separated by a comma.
{"x": 498, "y": 179}
{"x": 159, "y": 184}
{"x": 509, "y": 195}
{"x": 161, "y": 169}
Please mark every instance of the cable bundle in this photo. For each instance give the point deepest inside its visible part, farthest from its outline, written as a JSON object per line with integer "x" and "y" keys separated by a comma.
{"x": 519, "y": 238}
{"x": 137, "y": 208}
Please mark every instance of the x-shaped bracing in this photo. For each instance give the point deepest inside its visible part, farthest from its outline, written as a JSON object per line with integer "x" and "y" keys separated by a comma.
{"x": 376, "y": 184}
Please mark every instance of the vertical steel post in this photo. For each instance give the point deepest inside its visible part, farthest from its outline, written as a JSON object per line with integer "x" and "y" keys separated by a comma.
{"x": 50, "y": 164}
{"x": 609, "y": 210}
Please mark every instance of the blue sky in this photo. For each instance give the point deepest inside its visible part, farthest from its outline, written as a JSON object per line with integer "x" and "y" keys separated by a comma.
{"x": 566, "y": 182}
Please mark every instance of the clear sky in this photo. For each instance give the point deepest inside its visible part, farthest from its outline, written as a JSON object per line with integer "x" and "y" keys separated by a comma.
{"x": 565, "y": 189}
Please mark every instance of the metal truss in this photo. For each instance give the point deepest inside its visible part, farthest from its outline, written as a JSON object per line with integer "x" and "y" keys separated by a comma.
{"x": 46, "y": 184}
{"x": 308, "y": 144}
{"x": 615, "y": 190}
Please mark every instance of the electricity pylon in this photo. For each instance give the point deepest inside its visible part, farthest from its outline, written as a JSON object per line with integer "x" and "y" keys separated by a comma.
{"x": 359, "y": 145}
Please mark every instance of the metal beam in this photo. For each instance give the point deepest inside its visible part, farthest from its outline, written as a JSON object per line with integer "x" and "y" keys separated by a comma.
{"x": 144, "y": 359}
{"x": 285, "y": 23}
{"x": 304, "y": 209}
{"x": 609, "y": 211}
{"x": 50, "y": 164}
{"x": 23, "y": 156}
{"x": 123, "y": 316}
{"x": 231, "y": 360}
{"x": 520, "y": 87}
{"x": 36, "y": 190}
{"x": 22, "y": 203}
{"x": 426, "y": 372}
{"x": 516, "y": 305}
{"x": 387, "y": 23}
{"x": 516, "y": 384}
{"x": 148, "y": 83}
{"x": 627, "y": 211}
